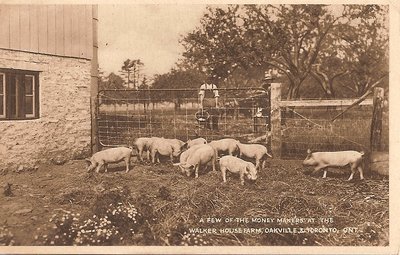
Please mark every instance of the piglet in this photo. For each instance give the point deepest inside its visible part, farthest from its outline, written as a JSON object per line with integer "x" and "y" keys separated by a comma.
{"x": 322, "y": 160}
{"x": 185, "y": 155}
{"x": 201, "y": 156}
{"x": 113, "y": 155}
{"x": 255, "y": 151}
{"x": 142, "y": 145}
{"x": 191, "y": 143}
{"x": 165, "y": 147}
{"x": 226, "y": 145}
{"x": 237, "y": 165}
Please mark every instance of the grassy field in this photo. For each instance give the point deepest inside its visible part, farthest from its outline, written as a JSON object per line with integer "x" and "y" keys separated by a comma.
{"x": 156, "y": 205}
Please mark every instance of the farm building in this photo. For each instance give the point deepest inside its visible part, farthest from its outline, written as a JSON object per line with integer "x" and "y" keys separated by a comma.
{"x": 48, "y": 63}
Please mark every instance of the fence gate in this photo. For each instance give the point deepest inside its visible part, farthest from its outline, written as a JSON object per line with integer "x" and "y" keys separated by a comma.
{"x": 301, "y": 124}
{"x": 123, "y": 115}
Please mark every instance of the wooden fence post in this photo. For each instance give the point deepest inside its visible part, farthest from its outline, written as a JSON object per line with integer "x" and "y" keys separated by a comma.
{"x": 276, "y": 140}
{"x": 376, "y": 124}
{"x": 94, "y": 83}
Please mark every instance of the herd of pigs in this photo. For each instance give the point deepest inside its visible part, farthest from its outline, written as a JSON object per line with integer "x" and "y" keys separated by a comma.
{"x": 230, "y": 154}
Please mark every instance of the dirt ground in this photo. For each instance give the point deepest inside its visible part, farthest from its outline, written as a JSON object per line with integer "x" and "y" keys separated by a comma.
{"x": 169, "y": 205}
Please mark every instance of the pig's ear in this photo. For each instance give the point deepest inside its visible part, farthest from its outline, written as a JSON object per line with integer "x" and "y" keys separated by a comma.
{"x": 308, "y": 151}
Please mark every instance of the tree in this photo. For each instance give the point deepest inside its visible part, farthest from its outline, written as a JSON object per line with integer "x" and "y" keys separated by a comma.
{"x": 360, "y": 54}
{"x": 112, "y": 81}
{"x": 294, "y": 39}
{"x": 134, "y": 66}
{"x": 144, "y": 84}
{"x": 367, "y": 52}
{"x": 183, "y": 81}
{"x": 213, "y": 48}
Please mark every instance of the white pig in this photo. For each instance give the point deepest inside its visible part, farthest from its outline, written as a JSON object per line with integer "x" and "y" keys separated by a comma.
{"x": 185, "y": 155}
{"x": 200, "y": 157}
{"x": 113, "y": 155}
{"x": 254, "y": 151}
{"x": 142, "y": 144}
{"x": 177, "y": 144}
{"x": 226, "y": 145}
{"x": 237, "y": 165}
{"x": 164, "y": 147}
{"x": 196, "y": 141}
{"x": 322, "y": 160}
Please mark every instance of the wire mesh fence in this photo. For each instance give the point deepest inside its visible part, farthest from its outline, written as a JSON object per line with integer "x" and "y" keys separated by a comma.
{"x": 311, "y": 127}
{"x": 244, "y": 114}
{"x": 123, "y": 115}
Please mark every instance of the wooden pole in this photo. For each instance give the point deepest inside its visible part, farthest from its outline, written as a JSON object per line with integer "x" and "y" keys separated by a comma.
{"x": 276, "y": 136}
{"x": 94, "y": 88}
{"x": 376, "y": 124}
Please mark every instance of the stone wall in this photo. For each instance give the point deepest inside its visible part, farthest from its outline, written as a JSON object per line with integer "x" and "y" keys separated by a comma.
{"x": 64, "y": 124}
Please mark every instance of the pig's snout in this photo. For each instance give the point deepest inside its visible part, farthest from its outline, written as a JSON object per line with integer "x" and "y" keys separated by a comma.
{"x": 310, "y": 162}
{"x": 252, "y": 181}
{"x": 251, "y": 177}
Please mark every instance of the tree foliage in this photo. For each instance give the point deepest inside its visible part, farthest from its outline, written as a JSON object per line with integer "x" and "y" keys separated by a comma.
{"x": 182, "y": 82}
{"x": 112, "y": 81}
{"x": 298, "y": 41}
{"x": 133, "y": 67}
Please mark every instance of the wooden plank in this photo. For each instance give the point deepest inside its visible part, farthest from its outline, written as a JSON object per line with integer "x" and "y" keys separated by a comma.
{"x": 60, "y": 30}
{"x": 42, "y": 28}
{"x": 24, "y": 27}
{"x": 82, "y": 31}
{"x": 67, "y": 30}
{"x": 34, "y": 28}
{"x": 51, "y": 32}
{"x": 321, "y": 103}
{"x": 14, "y": 27}
{"x": 75, "y": 32}
{"x": 5, "y": 26}
{"x": 276, "y": 133}
{"x": 89, "y": 31}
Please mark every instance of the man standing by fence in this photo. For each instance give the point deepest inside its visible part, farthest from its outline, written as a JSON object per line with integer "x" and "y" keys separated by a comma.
{"x": 208, "y": 97}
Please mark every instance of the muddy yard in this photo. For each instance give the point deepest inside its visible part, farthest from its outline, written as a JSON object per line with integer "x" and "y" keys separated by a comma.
{"x": 157, "y": 205}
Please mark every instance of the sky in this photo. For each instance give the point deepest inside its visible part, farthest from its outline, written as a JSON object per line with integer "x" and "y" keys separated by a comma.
{"x": 147, "y": 32}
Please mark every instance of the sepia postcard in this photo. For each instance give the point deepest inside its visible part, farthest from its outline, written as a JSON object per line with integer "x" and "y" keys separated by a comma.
{"x": 229, "y": 127}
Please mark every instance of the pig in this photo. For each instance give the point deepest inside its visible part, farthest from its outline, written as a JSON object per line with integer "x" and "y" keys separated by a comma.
{"x": 185, "y": 155}
{"x": 165, "y": 147}
{"x": 228, "y": 145}
{"x": 113, "y": 155}
{"x": 254, "y": 151}
{"x": 237, "y": 165}
{"x": 200, "y": 156}
{"x": 177, "y": 144}
{"x": 322, "y": 160}
{"x": 196, "y": 141}
{"x": 142, "y": 144}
